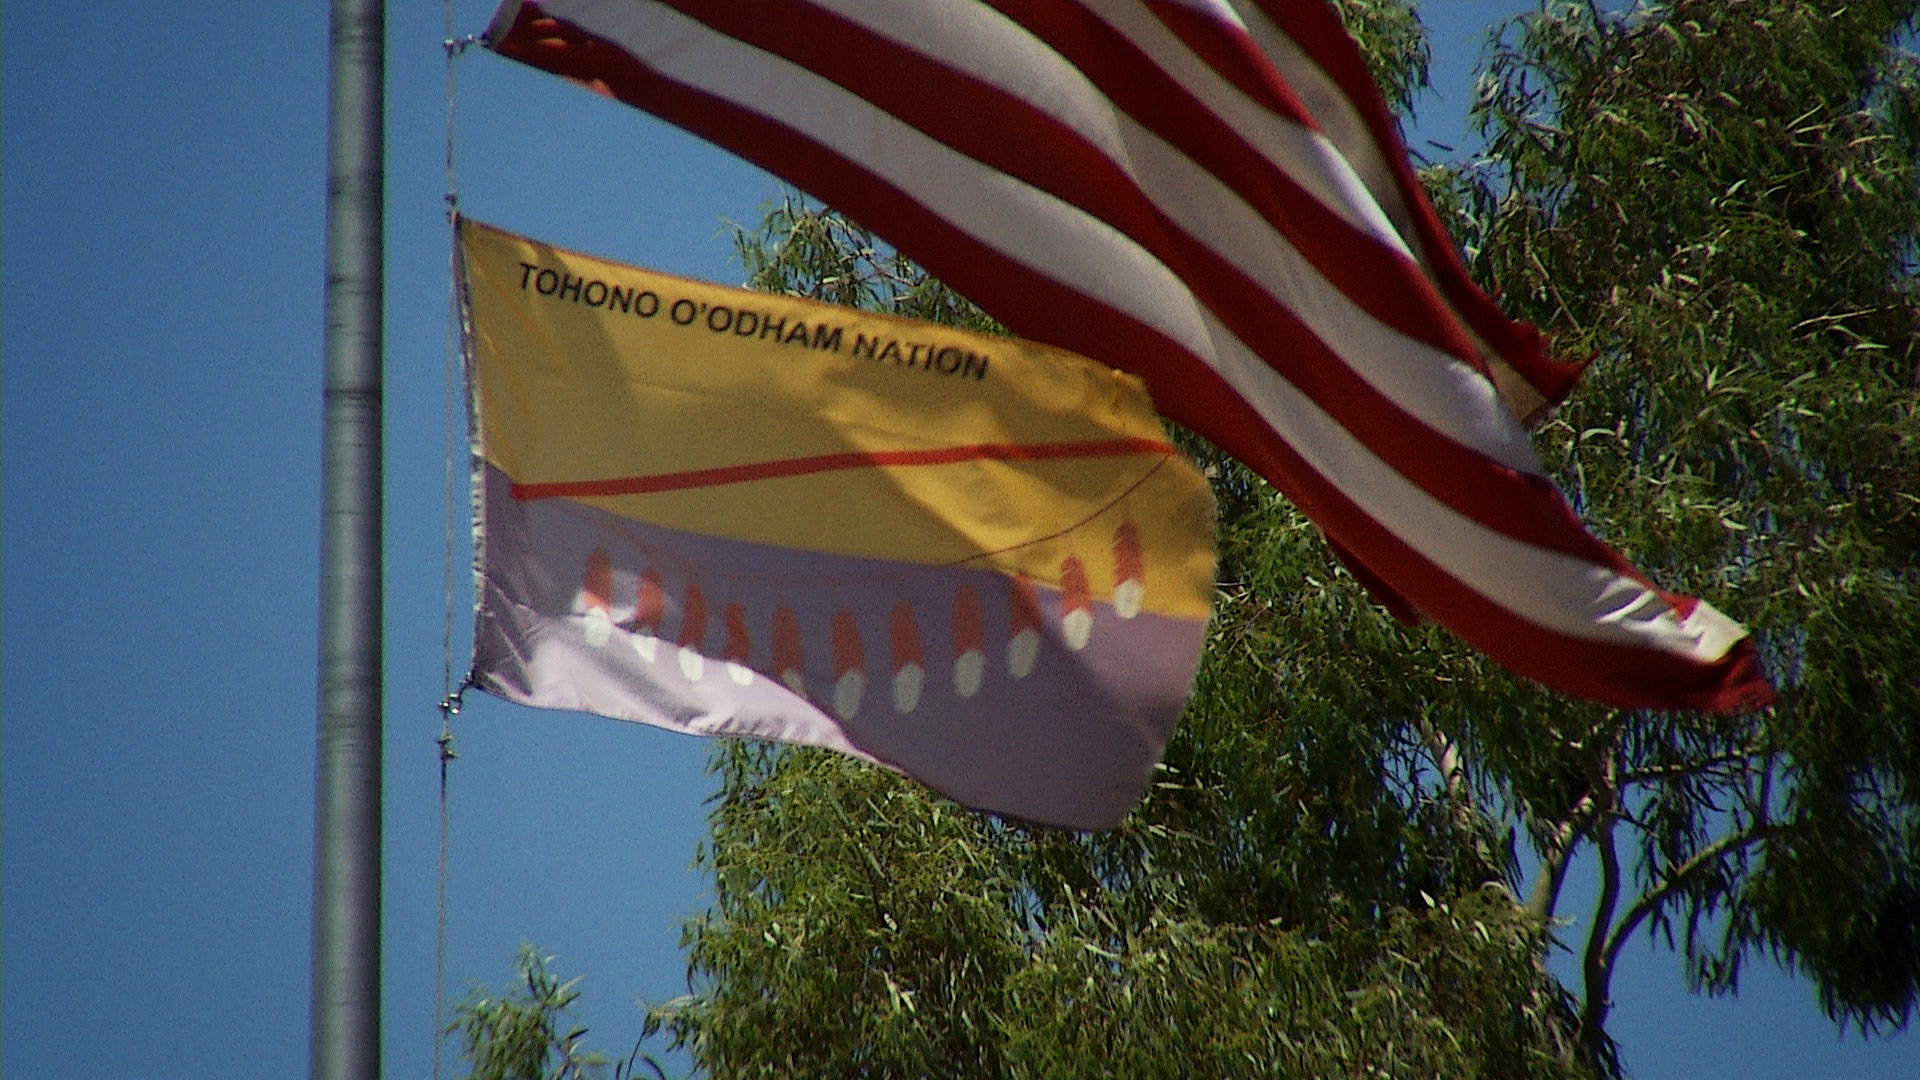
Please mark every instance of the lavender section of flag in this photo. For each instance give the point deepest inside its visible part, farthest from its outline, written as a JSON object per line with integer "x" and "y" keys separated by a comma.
{"x": 925, "y": 669}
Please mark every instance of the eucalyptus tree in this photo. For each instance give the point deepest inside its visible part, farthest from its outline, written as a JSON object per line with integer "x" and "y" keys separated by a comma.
{"x": 1717, "y": 202}
{"x": 522, "y": 1032}
{"x": 1299, "y": 894}
{"x": 1354, "y": 859}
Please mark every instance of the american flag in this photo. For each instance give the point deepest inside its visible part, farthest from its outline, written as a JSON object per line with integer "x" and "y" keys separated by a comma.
{"x": 1213, "y": 196}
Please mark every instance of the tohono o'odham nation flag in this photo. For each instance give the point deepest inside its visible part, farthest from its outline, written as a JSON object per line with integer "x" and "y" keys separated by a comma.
{"x": 1209, "y": 194}
{"x": 974, "y": 559}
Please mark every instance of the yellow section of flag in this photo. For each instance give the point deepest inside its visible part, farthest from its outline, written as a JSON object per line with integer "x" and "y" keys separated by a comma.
{"x": 794, "y": 423}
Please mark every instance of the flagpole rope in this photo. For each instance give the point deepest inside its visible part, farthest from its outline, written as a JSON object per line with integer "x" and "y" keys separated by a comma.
{"x": 449, "y": 705}
{"x": 450, "y": 696}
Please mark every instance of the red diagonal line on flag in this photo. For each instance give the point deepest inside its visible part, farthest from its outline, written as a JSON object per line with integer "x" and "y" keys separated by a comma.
{"x": 819, "y": 463}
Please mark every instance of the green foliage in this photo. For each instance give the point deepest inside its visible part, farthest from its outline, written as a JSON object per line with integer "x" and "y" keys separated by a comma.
{"x": 1351, "y": 862}
{"x": 1302, "y": 893}
{"x": 1717, "y": 201}
{"x": 516, "y": 1035}
{"x": 1394, "y": 44}
{"x": 800, "y": 250}
{"x": 864, "y": 927}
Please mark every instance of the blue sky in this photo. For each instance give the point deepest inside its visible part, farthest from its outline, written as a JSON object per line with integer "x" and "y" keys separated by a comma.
{"x": 160, "y": 341}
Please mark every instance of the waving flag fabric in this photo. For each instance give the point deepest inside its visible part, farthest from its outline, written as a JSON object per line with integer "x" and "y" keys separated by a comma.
{"x": 1210, "y": 195}
{"x": 977, "y": 560}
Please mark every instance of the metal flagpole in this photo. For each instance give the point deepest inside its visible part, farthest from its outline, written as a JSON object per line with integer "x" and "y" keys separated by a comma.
{"x": 345, "y": 1011}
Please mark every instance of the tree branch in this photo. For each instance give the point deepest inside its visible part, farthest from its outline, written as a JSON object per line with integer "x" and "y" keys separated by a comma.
{"x": 1597, "y": 965}
{"x": 1453, "y": 774}
{"x": 1555, "y": 857}
{"x": 1446, "y": 757}
{"x": 1690, "y": 768}
{"x": 1650, "y": 900}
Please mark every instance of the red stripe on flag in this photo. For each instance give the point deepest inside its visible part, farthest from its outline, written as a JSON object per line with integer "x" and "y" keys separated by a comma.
{"x": 1233, "y": 55}
{"x": 819, "y": 463}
